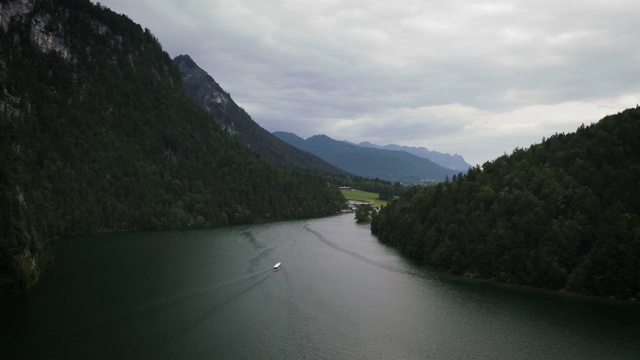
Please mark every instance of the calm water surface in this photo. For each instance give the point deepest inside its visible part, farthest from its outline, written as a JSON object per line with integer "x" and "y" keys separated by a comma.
{"x": 339, "y": 295}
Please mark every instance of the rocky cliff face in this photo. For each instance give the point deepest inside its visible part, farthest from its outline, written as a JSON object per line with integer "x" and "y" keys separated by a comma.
{"x": 205, "y": 91}
{"x": 208, "y": 91}
{"x": 14, "y": 9}
{"x": 21, "y": 263}
{"x": 45, "y": 32}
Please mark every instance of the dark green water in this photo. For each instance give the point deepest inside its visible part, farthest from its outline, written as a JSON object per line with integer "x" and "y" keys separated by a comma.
{"x": 339, "y": 295}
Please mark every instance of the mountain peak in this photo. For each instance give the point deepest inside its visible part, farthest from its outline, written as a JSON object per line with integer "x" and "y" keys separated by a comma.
{"x": 202, "y": 88}
{"x": 319, "y": 136}
{"x": 186, "y": 61}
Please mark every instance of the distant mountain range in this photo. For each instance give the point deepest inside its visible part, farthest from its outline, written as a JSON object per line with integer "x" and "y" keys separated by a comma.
{"x": 390, "y": 165}
{"x": 206, "y": 92}
{"x": 454, "y": 162}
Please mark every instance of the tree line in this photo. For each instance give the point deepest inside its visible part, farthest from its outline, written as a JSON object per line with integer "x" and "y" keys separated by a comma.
{"x": 562, "y": 214}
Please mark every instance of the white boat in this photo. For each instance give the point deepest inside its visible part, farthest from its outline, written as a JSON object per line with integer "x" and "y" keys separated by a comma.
{"x": 277, "y": 266}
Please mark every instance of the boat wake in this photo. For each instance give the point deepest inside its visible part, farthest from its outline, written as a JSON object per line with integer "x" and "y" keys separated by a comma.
{"x": 360, "y": 257}
{"x": 199, "y": 318}
{"x": 235, "y": 286}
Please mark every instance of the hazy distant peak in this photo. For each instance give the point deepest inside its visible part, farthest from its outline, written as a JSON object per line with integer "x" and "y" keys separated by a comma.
{"x": 454, "y": 162}
{"x": 287, "y": 133}
{"x": 384, "y": 164}
{"x": 319, "y": 137}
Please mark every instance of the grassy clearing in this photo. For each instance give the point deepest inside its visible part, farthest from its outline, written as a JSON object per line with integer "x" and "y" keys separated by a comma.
{"x": 354, "y": 194}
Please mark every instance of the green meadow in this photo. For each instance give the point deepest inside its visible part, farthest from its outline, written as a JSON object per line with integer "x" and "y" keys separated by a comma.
{"x": 354, "y": 194}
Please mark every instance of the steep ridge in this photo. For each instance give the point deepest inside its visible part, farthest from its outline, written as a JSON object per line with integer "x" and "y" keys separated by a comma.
{"x": 206, "y": 92}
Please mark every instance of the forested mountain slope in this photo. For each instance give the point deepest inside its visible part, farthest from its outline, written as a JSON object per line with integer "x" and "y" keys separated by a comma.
{"x": 389, "y": 165}
{"x": 206, "y": 92}
{"x": 96, "y": 134}
{"x": 563, "y": 214}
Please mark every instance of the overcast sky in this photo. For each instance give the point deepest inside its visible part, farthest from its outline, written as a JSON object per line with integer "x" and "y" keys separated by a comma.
{"x": 476, "y": 78}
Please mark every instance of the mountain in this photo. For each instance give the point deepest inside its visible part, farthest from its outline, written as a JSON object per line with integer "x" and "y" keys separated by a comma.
{"x": 96, "y": 135}
{"x": 206, "y": 92}
{"x": 453, "y": 162}
{"x": 370, "y": 162}
{"x": 563, "y": 214}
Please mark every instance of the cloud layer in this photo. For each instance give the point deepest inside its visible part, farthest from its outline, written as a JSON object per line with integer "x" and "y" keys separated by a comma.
{"x": 468, "y": 77}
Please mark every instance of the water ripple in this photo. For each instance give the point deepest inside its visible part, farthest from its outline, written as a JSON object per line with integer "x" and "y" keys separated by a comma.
{"x": 360, "y": 257}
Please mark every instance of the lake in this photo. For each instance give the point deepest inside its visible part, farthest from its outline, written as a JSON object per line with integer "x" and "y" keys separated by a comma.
{"x": 339, "y": 294}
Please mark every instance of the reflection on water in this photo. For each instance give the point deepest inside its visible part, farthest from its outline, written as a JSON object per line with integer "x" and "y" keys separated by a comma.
{"x": 339, "y": 295}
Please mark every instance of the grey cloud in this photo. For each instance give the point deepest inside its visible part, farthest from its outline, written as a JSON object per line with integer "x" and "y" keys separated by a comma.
{"x": 455, "y": 74}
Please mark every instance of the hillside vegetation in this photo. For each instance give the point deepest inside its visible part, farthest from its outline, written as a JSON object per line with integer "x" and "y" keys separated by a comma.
{"x": 97, "y": 135}
{"x": 563, "y": 214}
